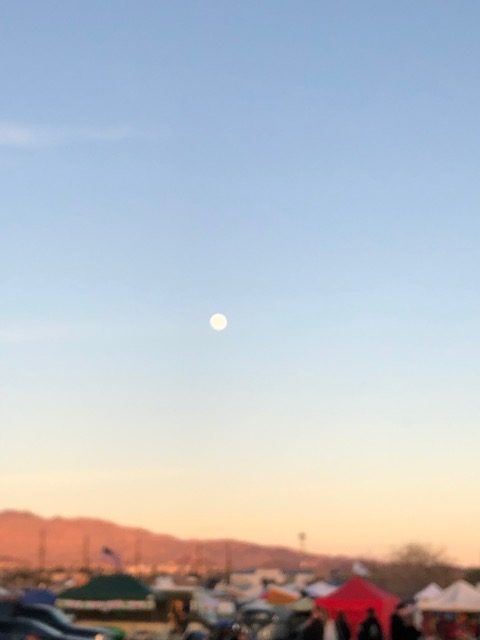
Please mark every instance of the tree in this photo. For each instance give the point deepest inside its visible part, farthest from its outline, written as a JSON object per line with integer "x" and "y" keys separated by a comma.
{"x": 472, "y": 574}
{"x": 412, "y": 567}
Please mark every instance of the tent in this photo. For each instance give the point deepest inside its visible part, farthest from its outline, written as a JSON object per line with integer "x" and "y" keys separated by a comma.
{"x": 280, "y": 595}
{"x": 117, "y": 592}
{"x": 304, "y": 605}
{"x": 355, "y": 597}
{"x": 320, "y": 589}
{"x": 258, "y": 605}
{"x": 460, "y": 597}
{"x": 430, "y": 592}
{"x": 38, "y": 596}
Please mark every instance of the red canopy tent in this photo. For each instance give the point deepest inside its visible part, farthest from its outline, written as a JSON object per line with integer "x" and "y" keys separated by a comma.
{"x": 354, "y": 598}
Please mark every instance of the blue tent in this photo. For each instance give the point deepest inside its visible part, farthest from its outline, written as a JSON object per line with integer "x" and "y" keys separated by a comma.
{"x": 38, "y": 596}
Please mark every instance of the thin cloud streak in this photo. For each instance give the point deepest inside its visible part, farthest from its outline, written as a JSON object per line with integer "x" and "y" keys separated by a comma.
{"x": 30, "y": 137}
{"x": 20, "y": 335}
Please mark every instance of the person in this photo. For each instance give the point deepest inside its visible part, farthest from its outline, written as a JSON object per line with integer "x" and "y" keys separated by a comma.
{"x": 195, "y": 628}
{"x": 397, "y": 623}
{"x": 223, "y": 630}
{"x": 240, "y": 632}
{"x": 315, "y": 626}
{"x": 330, "y": 630}
{"x": 411, "y": 632}
{"x": 177, "y": 618}
{"x": 473, "y": 625}
{"x": 370, "y": 628}
{"x": 464, "y": 629}
{"x": 429, "y": 627}
{"x": 343, "y": 629}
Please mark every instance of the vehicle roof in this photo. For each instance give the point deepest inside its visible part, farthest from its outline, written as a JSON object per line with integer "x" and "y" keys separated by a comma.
{"x": 45, "y": 628}
{"x": 53, "y": 608}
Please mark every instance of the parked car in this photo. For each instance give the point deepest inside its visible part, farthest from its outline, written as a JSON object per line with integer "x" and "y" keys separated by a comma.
{"x": 57, "y": 619}
{"x": 18, "y": 628}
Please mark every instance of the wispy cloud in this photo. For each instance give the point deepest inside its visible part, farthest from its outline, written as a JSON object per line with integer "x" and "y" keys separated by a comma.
{"x": 50, "y": 333}
{"x": 17, "y": 333}
{"x": 27, "y": 137}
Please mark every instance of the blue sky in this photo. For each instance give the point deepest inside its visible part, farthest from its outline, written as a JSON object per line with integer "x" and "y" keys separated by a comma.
{"x": 311, "y": 170}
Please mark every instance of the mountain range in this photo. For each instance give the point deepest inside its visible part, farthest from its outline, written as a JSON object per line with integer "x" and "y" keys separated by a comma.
{"x": 29, "y": 540}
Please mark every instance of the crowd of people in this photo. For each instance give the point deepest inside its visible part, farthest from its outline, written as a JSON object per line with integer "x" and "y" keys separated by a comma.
{"x": 320, "y": 626}
{"x": 460, "y": 626}
{"x": 403, "y": 626}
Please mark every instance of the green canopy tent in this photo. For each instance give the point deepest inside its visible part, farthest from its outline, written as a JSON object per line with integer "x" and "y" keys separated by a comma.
{"x": 108, "y": 593}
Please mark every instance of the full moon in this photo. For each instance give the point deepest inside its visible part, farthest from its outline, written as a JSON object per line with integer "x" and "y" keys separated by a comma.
{"x": 218, "y": 322}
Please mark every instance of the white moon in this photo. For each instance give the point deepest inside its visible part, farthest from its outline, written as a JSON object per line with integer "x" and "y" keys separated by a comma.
{"x": 218, "y": 322}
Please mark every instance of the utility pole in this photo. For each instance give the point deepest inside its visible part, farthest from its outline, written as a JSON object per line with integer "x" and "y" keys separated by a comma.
{"x": 203, "y": 565}
{"x": 86, "y": 552}
{"x": 199, "y": 563}
{"x": 196, "y": 558}
{"x": 302, "y": 538}
{"x": 42, "y": 549}
{"x": 228, "y": 561}
{"x": 137, "y": 558}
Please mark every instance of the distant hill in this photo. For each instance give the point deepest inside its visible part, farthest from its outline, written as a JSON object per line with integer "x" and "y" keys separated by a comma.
{"x": 66, "y": 541}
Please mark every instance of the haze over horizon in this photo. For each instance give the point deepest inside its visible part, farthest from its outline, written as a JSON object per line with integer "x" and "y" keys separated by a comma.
{"x": 310, "y": 170}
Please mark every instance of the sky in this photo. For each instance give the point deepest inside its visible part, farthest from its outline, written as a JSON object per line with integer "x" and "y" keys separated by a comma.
{"x": 311, "y": 170}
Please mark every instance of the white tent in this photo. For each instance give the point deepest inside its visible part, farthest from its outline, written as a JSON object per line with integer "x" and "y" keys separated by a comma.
{"x": 430, "y": 592}
{"x": 258, "y": 605}
{"x": 163, "y": 583}
{"x": 319, "y": 589}
{"x": 461, "y": 596}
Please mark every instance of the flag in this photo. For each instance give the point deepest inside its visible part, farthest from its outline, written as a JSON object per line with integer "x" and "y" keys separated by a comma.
{"x": 109, "y": 555}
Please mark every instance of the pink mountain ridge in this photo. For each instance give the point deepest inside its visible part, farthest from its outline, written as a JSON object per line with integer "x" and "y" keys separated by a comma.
{"x": 27, "y": 539}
